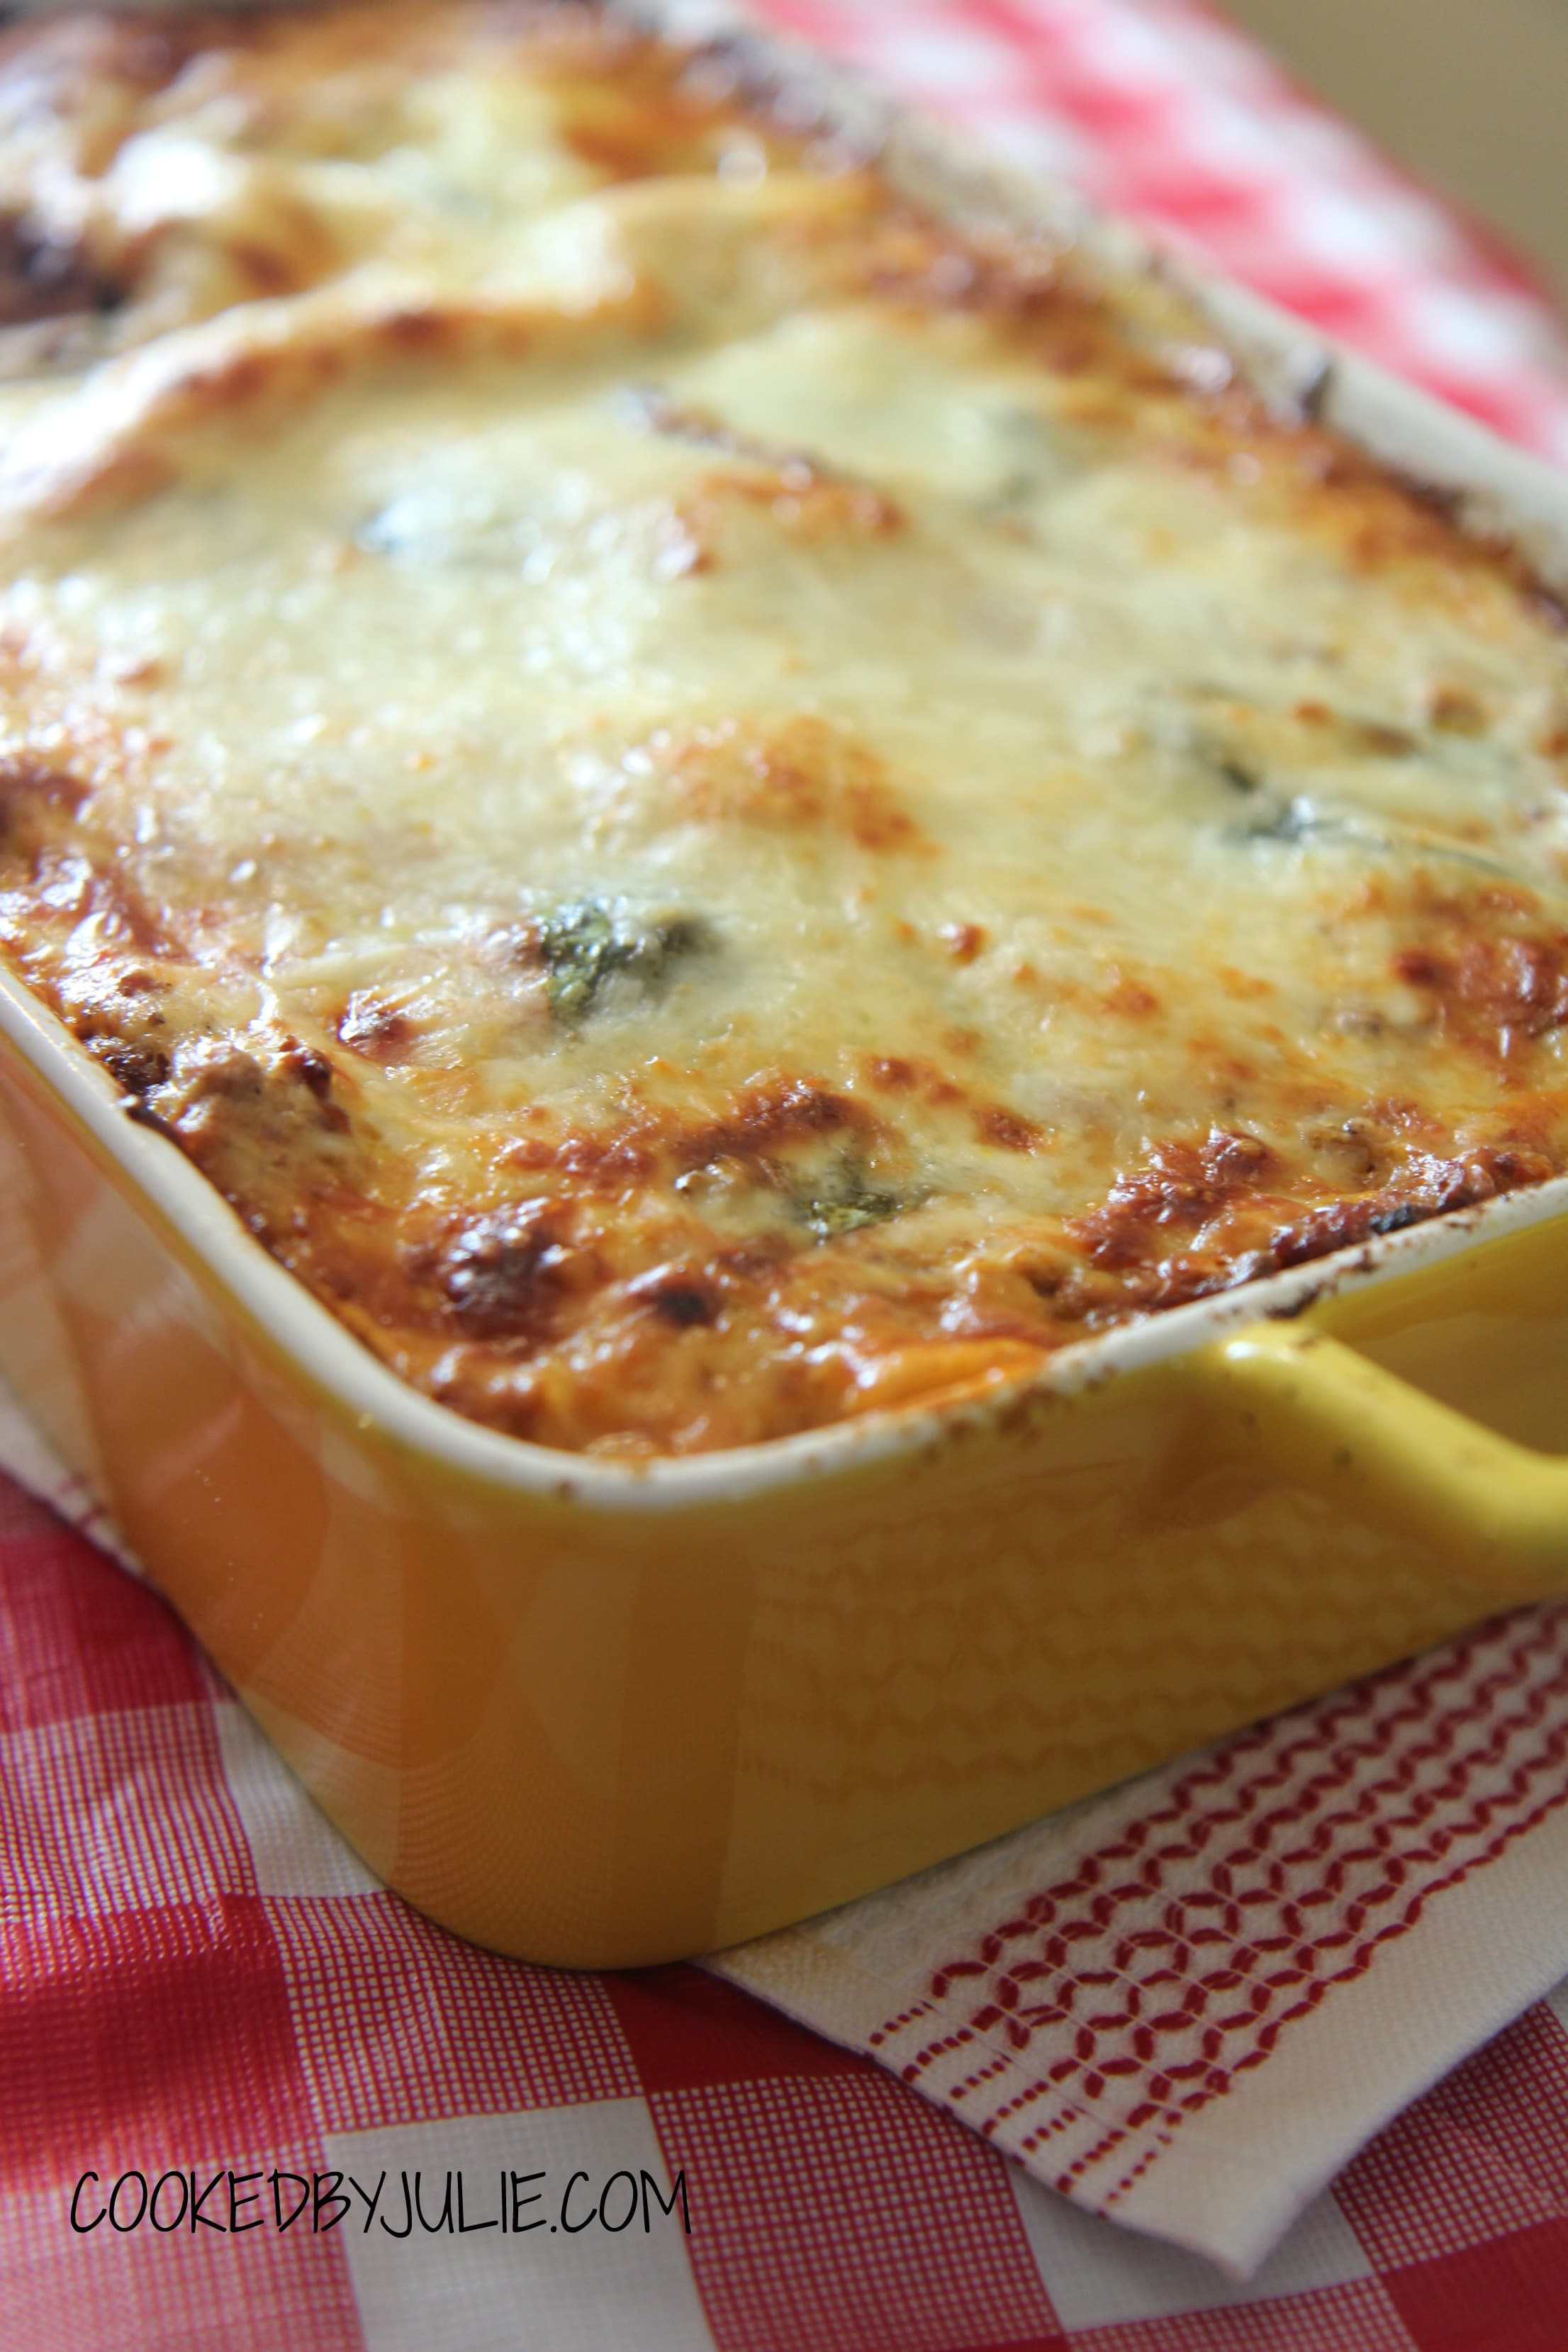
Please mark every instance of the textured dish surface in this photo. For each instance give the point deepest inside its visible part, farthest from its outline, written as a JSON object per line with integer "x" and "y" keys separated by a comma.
{"x": 714, "y": 805}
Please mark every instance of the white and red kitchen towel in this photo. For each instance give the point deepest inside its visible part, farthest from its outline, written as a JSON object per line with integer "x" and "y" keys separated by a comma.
{"x": 1202, "y": 2006}
{"x": 1187, "y": 2005}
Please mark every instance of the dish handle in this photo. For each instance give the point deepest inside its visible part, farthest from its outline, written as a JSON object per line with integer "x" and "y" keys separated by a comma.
{"x": 1329, "y": 1417}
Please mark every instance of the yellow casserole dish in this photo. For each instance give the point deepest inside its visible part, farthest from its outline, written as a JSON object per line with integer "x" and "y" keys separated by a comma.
{"x": 604, "y": 1709}
{"x": 600, "y": 1716}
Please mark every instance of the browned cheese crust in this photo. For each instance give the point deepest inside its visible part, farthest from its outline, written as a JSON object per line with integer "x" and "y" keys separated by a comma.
{"x": 1144, "y": 815}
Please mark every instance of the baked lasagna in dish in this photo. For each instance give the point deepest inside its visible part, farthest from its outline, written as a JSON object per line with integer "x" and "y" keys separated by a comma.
{"x": 712, "y": 802}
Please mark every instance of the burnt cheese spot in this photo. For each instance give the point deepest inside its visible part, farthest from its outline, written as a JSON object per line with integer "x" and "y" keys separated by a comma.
{"x": 964, "y": 942}
{"x": 32, "y": 788}
{"x": 42, "y": 276}
{"x": 136, "y": 1068}
{"x": 1495, "y": 994}
{"x": 501, "y": 1273}
{"x": 369, "y": 1025}
{"x": 1007, "y": 1129}
{"x": 778, "y": 1114}
{"x": 687, "y": 1299}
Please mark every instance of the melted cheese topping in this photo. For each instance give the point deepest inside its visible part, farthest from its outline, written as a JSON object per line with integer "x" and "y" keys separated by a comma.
{"x": 713, "y": 807}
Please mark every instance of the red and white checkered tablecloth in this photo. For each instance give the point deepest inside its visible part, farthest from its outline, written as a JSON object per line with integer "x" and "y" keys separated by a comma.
{"x": 197, "y": 1979}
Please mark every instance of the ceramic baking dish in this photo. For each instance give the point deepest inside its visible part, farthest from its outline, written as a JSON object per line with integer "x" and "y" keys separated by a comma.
{"x": 602, "y": 1714}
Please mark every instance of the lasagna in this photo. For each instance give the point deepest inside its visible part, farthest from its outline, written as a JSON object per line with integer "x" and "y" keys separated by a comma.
{"x": 712, "y": 802}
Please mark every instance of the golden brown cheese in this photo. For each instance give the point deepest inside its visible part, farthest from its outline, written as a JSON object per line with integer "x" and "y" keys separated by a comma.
{"x": 712, "y": 806}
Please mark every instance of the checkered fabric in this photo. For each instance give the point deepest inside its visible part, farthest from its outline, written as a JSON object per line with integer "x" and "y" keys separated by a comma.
{"x": 209, "y": 2011}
